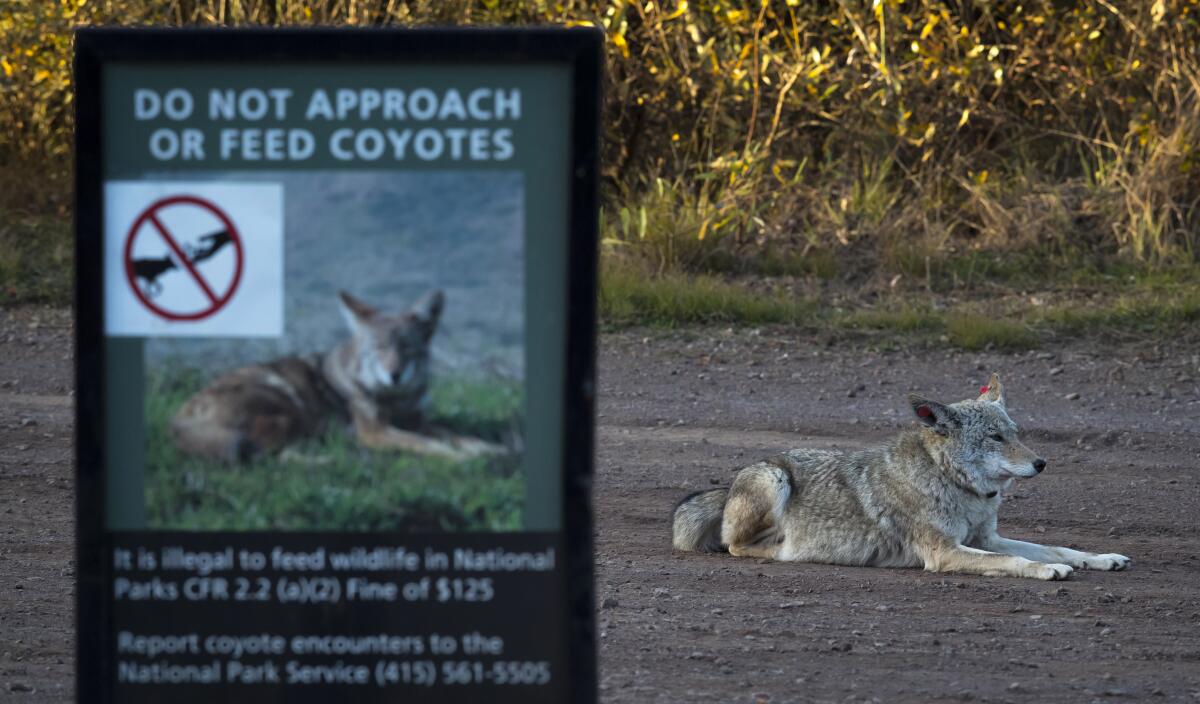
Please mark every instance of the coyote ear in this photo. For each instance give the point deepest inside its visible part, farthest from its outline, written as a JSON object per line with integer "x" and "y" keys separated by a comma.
{"x": 428, "y": 310}
{"x": 354, "y": 311}
{"x": 936, "y": 416}
{"x": 994, "y": 391}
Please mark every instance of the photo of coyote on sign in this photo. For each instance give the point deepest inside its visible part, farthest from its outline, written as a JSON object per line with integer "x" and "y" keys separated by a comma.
{"x": 395, "y": 397}
{"x": 377, "y": 380}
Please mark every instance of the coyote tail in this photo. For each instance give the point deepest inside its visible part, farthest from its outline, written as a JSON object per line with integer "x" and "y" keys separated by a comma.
{"x": 697, "y": 521}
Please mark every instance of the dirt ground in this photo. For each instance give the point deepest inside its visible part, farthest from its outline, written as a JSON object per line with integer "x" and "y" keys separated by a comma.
{"x": 679, "y": 411}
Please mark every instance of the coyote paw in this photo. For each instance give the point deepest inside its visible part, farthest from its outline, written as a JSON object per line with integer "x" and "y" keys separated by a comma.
{"x": 472, "y": 447}
{"x": 1052, "y": 571}
{"x": 1108, "y": 561}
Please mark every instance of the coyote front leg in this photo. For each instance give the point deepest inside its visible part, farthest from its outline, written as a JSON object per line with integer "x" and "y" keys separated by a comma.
{"x": 960, "y": 558}
{"x": 380, "y": 436}
{"x": 471, "y": 447}
{"x": 1049, "y": 553}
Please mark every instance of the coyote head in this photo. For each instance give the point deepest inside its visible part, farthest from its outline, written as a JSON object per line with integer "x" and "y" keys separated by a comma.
{"x": 391, "y": 350}
{"x": 977, "y": 437}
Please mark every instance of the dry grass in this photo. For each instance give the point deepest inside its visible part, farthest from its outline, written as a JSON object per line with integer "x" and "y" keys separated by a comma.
{"x": 898, "y": 147}
{"x": 36, "y": 260}
{"x": 629, "y": 295}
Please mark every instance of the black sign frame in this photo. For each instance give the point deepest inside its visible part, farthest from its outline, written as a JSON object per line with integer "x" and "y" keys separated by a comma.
{"x": 580, "y": 48}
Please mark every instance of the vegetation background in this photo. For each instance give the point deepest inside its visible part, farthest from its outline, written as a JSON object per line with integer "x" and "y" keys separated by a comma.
{"x": 989, "y": 173}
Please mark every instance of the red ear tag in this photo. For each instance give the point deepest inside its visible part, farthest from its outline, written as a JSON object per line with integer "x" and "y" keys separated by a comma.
{"x": 924, "y": 412}
{"x": 983, "y": 389}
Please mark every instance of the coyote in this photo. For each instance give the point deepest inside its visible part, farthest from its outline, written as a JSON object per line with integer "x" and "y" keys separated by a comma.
{"x": 377, "y": 380}
{"x": 929, "y": 497}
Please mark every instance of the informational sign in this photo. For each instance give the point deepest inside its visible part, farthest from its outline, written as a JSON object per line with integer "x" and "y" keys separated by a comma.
{"x": 336, "y": 311}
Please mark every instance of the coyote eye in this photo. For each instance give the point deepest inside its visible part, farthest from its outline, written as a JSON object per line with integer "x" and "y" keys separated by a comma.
{"x": 997, "y": 437}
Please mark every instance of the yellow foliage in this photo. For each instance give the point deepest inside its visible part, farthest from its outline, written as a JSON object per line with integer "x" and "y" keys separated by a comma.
{"x": 680, "y": 10}
{"x": 618, "y": 40}
{"x": 913, "y": 82}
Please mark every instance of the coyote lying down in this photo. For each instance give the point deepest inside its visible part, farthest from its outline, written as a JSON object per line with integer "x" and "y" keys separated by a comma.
{"x": 929, "y": 497}
{"x": 377, "y": 380}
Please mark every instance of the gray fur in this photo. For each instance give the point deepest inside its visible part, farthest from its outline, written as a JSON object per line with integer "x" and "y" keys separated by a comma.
{"x": 697, "y": 525}
{"x": 928, "y": 498}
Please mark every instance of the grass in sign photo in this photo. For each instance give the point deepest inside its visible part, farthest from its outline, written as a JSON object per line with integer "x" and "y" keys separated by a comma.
{"x": 330, "y": 482}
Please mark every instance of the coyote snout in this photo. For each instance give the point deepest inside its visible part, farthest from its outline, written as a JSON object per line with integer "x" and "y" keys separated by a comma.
{"x": 929, "y": 498}
{"x": 378, "y": 380}
{"x": 1018, "y": 461}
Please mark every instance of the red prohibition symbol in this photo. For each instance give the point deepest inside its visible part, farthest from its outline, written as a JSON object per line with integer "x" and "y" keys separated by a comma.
{"x": 217, "y": 300}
